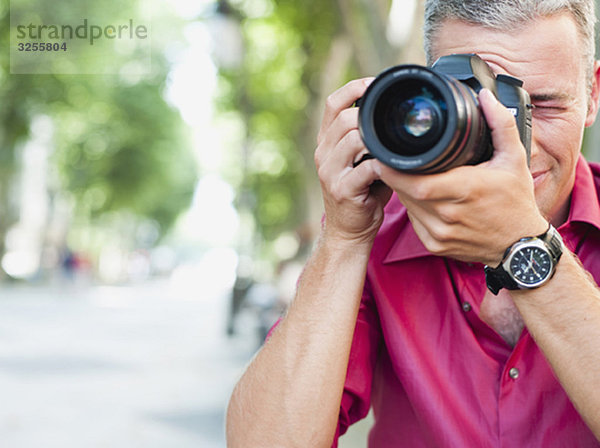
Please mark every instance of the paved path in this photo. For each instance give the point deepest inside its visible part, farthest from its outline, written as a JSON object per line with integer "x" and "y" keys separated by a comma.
{"x": 145, "y": 366}
{"x": 142, "y": 366}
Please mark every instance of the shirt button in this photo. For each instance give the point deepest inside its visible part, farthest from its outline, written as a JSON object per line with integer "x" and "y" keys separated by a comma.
{"x": 466, "y": 306}
{"x": 514, "y": 373}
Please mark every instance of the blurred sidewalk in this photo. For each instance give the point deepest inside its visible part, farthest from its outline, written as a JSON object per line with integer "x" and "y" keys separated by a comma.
{"x": 141, "y": 366}
{"x": 145, "y": 366}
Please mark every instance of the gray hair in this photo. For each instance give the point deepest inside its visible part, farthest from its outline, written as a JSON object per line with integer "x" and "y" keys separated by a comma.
{"x": 509, "y": 15}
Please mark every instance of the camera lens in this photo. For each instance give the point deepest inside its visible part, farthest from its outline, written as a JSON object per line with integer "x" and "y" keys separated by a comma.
{"x": 416, "y": 120}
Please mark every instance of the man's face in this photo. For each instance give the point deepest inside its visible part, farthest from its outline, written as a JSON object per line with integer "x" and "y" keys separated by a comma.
{"x": 547, "y": 56}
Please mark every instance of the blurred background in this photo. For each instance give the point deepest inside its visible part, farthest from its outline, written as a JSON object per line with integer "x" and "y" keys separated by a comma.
{"x": 153, "y": 226}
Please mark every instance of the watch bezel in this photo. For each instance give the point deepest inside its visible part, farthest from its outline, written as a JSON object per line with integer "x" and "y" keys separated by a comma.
{"x": 518, "y": 247}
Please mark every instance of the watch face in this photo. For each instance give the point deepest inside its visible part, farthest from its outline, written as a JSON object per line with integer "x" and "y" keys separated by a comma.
{"x": 531, "y": 265}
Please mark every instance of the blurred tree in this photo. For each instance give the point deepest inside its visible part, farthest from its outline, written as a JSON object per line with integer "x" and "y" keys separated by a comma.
{"x": 118, "y": 145}
{"x": 296, "y": 53}
{"x": 123, "y": 148}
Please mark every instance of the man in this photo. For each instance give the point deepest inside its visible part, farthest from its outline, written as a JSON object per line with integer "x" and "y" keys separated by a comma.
{"x": 403, "y": 321}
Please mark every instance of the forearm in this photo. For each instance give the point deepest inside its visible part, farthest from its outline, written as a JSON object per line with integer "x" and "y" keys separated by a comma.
{"x": 564, "y": 319}
{"x": 290, "y": 394}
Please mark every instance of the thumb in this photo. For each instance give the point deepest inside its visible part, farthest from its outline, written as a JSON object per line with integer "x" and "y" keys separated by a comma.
{"x": 505, "y": 134}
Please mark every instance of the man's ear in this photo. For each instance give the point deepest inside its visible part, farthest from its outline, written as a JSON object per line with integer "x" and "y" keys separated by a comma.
{"x": 594, "y": 96}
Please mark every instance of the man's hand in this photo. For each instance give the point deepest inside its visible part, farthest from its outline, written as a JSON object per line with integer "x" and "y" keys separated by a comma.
{"x": 473, "y": 213}
{"x": 353, "y": 204}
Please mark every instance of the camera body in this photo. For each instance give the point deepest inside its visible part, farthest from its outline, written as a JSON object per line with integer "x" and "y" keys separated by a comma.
{"x": 425, "y": 120}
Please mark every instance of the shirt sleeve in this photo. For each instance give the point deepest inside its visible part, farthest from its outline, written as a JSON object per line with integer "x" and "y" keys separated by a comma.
{"x": 356, "y": 399}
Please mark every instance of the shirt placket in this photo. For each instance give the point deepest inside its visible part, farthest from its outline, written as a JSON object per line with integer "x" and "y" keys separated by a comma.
{"x": 469, "y": 283}
{"x": 512, "y": 392}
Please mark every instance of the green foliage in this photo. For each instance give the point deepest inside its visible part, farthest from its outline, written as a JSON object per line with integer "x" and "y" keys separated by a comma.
{"x": 118, "y": 146}
{"x": 286, "y": 44}
{"x": 123, "y": 150}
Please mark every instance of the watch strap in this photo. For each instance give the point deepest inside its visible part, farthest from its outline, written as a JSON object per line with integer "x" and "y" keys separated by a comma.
{"x": 553, "y": 242}
{"x": 498, "y": 278}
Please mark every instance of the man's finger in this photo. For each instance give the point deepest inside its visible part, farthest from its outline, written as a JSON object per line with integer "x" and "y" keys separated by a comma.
{"x": 446, "y": 186}
{"x": 344, "y": 122}
{"x": 342, "y": 99}
{"x": 505, "y": 134}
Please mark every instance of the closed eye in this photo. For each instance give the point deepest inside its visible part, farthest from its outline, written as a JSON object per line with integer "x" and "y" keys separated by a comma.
{"x": 551, "y": 101}
{"x": 548, "y": 109}
{"x": 542, "y": 107}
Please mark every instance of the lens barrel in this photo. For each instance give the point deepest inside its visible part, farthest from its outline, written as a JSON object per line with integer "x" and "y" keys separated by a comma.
{"x": 417, "y": 120}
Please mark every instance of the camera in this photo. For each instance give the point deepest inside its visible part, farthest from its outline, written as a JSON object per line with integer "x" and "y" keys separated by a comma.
{"x": 427, "y": 119}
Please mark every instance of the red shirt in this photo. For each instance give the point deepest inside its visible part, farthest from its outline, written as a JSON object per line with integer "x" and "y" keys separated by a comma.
{"x": 434, "y": 372}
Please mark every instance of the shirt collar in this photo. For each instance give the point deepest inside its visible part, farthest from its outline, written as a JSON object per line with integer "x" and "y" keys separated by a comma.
{"x": 406, "y": 245}
{"x": 584, "y": 198}
{"x": 584, "y": 208}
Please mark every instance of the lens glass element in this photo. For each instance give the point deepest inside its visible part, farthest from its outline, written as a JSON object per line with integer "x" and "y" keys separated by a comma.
{"x": 410, "y": 118}
{"x": 419, "y": 116}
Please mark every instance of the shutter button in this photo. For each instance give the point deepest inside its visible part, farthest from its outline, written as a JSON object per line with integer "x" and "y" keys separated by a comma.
{"x": 513, "y": 373}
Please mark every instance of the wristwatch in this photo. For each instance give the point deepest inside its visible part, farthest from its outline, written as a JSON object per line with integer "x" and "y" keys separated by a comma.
{"x": 527, "y": 264}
